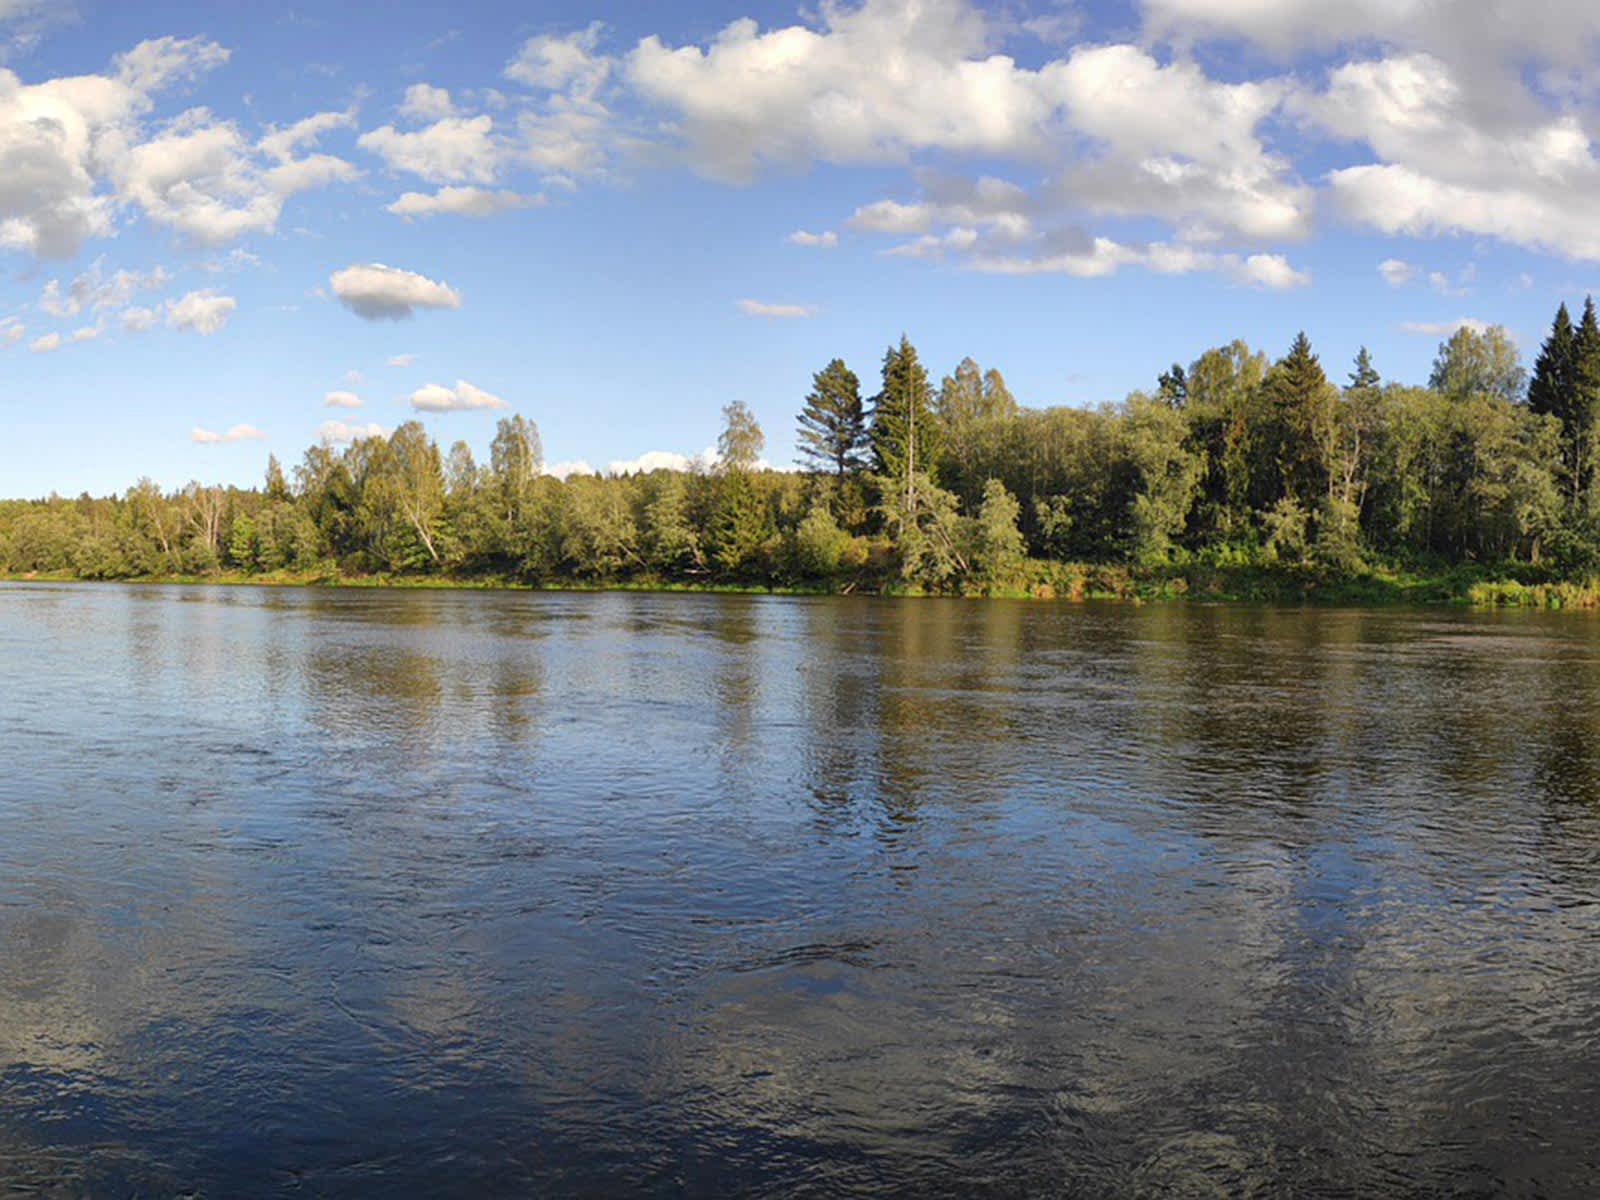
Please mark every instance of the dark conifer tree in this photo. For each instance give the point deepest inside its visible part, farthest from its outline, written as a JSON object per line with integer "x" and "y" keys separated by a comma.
{"x": 1550, "y": 390}
{"x": 1365, "y": 376}
{"x": 833, "y": 424}
{"x": 1583, "y": 408}
{"x": 1173, "y": 386}
{"x": 1300, "y": 413}
{"x": 904, "y": 428}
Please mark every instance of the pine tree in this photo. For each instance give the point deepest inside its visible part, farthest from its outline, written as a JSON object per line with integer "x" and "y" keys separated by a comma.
{"x": 1365, "y": 376}
{"x": 833, "y": 424}
{"x": 904, "y": 431}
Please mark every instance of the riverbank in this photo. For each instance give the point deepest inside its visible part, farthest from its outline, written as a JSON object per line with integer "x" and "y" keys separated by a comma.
{"x": 1046, "y": 581}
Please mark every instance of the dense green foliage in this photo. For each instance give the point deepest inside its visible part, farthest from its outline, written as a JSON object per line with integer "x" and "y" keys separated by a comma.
{"x": 1233, "y": 464}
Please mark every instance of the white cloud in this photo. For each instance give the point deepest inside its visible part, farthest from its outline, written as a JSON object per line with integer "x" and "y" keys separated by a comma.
{"x": 1557, "y": 31}
{"x": 451, "y": 150}
{"x": 826, "y": 240}
{"x": 139, "y": 320}
{"x": 436, "y": 398}
{"x": 204, "y": 312}
{"x": 1271, "y": 271}
{"x": 463, "y": 202}
{"x": 202, "y": 177}
{"x": 94, "y": 290}
{"x": 565, "y": 470}
{"x": 338, "y": 433}
{"x": 652, "y": 460}
{"x": 424, "y": 102}
{"x": 341, "y": 399}
{"x": 45, "y": 344}
{"x": 237, "y": 433}
{"x": 1453, "y": 156}
{"x": 562, "y": 63}
{"x": 873, "y": 85}
{"x": 781, "y": 312}
{"x": 281, "y": 144}
{"x": 12, "y": 331}
{"x": 1396, "y": 272}
{"x": 1444, "y": 328}
{"x": 888, "y": 80}
{"x": 402, "y": 360}
{"x": 376, "y": 292}
{"x": 87, "y": 333}
{"x": 932, "y": 245}
{"x": 154, "y": 64}
{"x": 1104, "y": 256}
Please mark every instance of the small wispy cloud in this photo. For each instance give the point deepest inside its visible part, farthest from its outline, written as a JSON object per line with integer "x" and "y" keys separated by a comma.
{"x": 776, "y": 312}
{"x": 236, "y": 433}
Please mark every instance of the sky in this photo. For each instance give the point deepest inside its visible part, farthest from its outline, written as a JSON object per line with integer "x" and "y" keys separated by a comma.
{"x": 233, "y": 229}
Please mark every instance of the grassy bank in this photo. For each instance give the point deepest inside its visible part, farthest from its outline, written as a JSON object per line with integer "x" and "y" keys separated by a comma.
{"x": 1046, "y": 581}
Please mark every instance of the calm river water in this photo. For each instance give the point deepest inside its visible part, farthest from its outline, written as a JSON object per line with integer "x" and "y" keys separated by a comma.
{"x": 475, "y": 893}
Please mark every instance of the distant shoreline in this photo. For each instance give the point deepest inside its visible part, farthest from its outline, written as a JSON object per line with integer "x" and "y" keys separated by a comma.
{"x": 1059, "y": 583}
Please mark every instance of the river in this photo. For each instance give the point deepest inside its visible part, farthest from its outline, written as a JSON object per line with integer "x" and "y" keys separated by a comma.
{"x": 478, "y": 893}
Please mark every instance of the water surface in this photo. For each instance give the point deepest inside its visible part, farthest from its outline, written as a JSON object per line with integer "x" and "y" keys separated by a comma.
{"x": 485, "y": 893}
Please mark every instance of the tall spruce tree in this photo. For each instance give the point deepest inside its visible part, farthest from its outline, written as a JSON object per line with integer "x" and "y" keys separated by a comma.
{"x": 1300, "y": 410}
{"x": 833, "y": 424}
{"x": 1583, "y": 408}
{"x": 905, "y": 432}
{"x": 1365, "y": 376}
{"x": 1550, "y": 390}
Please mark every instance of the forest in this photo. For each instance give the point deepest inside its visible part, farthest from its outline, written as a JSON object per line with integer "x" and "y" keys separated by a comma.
{"x": 1234, "y": 475}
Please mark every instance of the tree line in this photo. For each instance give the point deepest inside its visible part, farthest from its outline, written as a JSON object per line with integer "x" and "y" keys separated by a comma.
{"x": 1232, "y": 460}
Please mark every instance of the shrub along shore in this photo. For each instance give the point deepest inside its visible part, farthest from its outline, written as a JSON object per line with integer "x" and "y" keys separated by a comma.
{"x": 1235, "y": 478}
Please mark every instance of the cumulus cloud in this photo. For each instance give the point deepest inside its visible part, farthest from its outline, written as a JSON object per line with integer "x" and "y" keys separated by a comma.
{"x": 375, "y": 292}
{"x": 451, "y": 150}
{"x": 565, "y": 470}
{"x": 237, "y": 433}
{"x": 45, "y": 344}
{"x": 779, "y": 312}
{"x": 885, "y": 81}
{"x": 140, "y": 320}
{"x": 204, "y": 178}
{"x": 402, "y": 360}
{"x": 86, "y": 333}
{"x": 652, "y": 460}
{"x": 436, "y": 398}
{"x": 1396, "y": 272}
{"x": 562, "y": 62}
{"x": 826, "y": 240}
{"x": 341, "y": 399}
{"x": 204, "y": 312}
{"x": 338, "y": 433}
{"x": 874, "y": 84}
{"x": 462, "y": 202}
{"x": 1563, "y": 32}
{"x": 424, "y": 102}
{"x": 12, "y": 331}
{"x": 1450, "y": 156}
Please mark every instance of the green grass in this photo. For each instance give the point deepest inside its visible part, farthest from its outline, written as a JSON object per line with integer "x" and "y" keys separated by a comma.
{"x": 1471, "y": 585}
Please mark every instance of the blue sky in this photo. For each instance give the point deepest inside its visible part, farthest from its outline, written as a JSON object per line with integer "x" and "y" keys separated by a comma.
{"x": 215, "y": 217}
